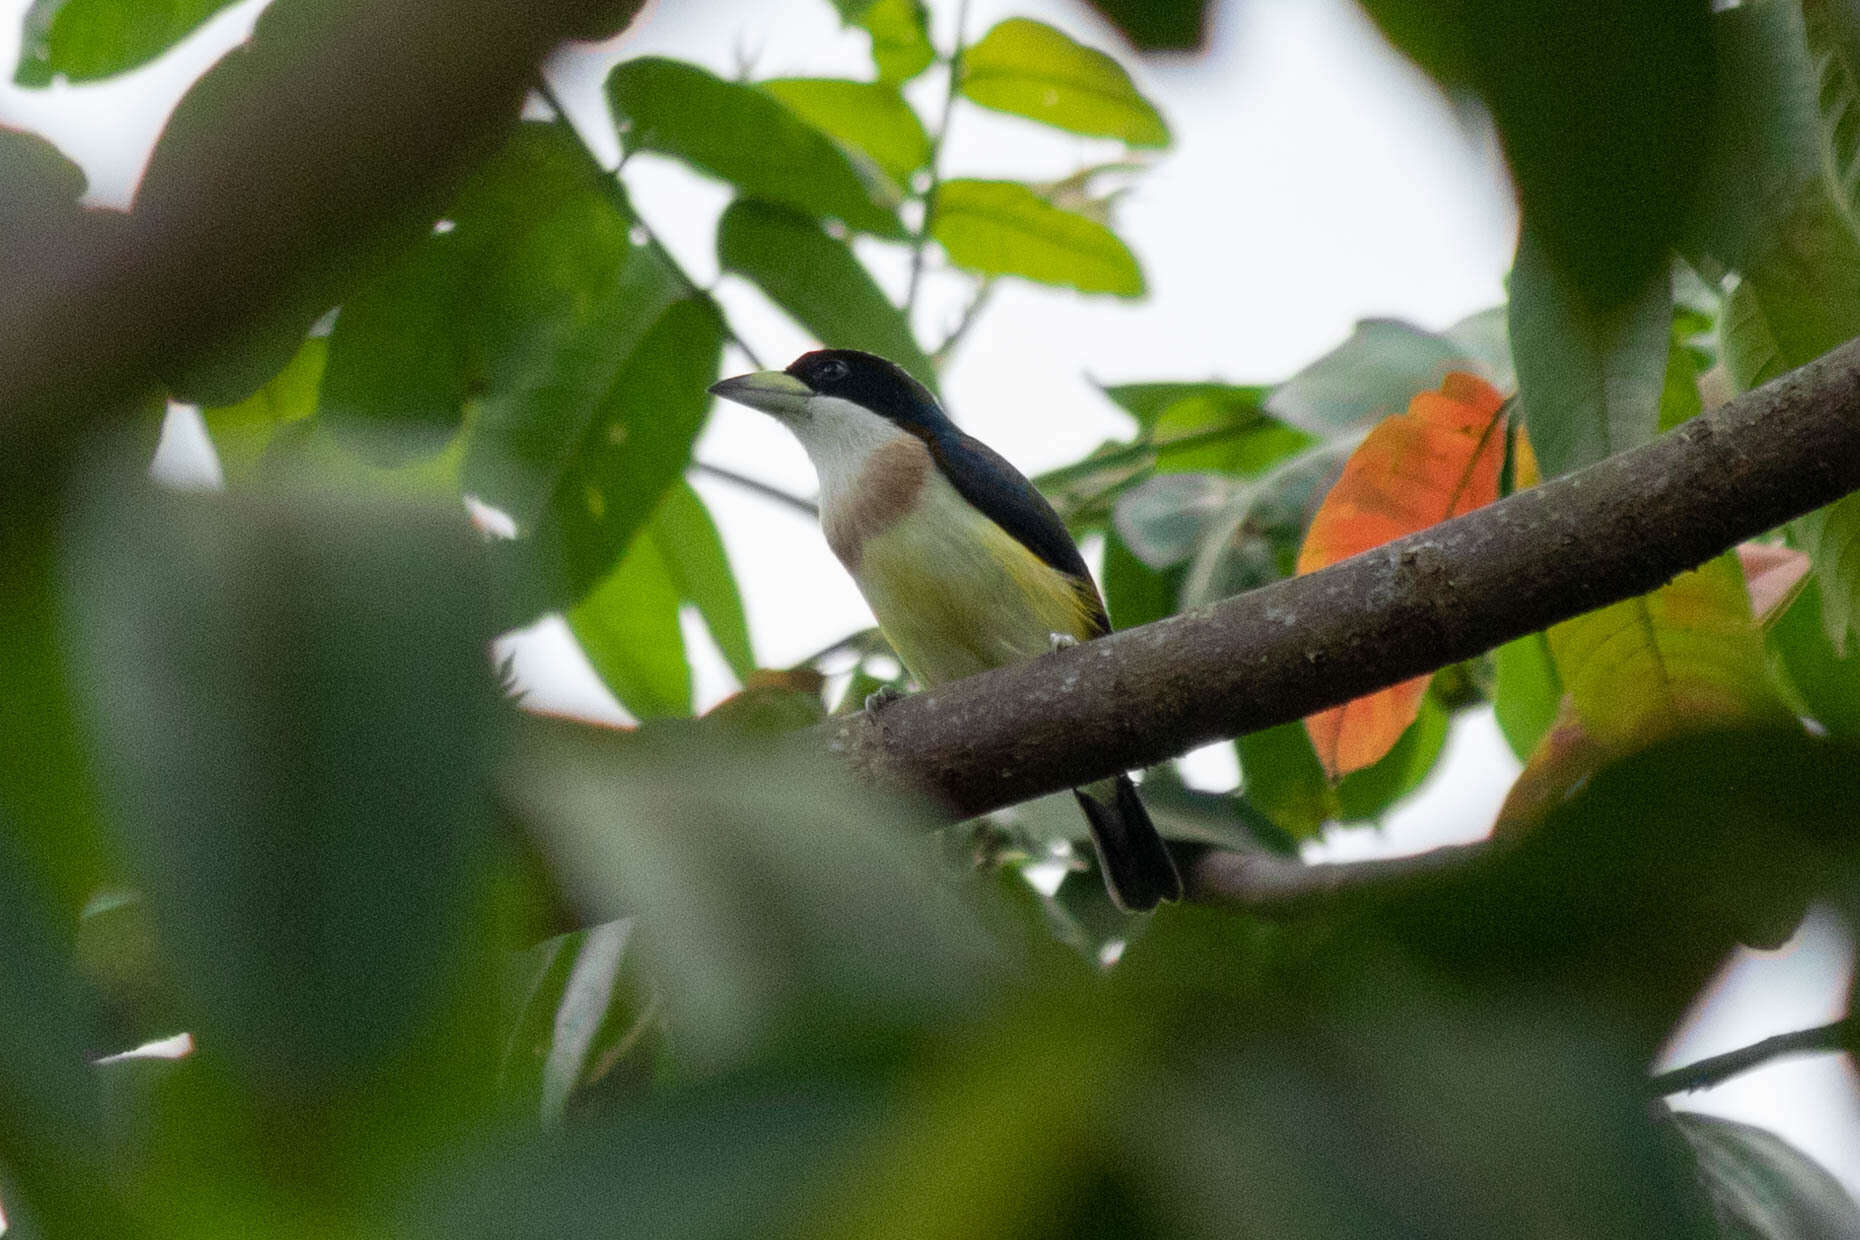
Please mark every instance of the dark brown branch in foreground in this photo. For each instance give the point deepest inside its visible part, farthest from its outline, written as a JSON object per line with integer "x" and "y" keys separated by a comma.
{"x": 1610, "y": 532}
{"x": 1720, "y": 1068}
{"x": 339, "y": 119}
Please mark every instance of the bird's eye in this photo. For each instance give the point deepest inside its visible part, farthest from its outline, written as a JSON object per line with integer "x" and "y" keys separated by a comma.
{"x": 832, "y": 371}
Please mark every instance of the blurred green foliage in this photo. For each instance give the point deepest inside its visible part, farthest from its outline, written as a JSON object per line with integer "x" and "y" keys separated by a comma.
{"x": 452, "y": 969}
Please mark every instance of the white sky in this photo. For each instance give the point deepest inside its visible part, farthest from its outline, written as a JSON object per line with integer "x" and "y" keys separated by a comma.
{"x": 1316, "y": 179}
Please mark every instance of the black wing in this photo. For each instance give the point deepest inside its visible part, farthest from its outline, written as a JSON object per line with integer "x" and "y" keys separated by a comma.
{"x": 1003, "y": 495}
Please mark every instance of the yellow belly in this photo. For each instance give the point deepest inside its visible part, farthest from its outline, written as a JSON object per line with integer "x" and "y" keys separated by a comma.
{"x": 956, "y": 595}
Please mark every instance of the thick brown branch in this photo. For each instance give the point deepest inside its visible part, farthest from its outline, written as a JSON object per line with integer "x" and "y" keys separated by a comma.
{"x": 1610, "y": 532}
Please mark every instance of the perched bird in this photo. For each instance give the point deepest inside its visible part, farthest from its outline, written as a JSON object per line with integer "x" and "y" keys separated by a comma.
{"x": 965, "y": 564}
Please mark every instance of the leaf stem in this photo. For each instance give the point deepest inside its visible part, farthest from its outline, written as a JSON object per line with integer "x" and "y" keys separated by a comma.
{"x": 779, "y": 496}
{"x": 935, "y": 164}
{"x": 1720, "y": 1068}
{"x": 939, "y": 357}
{"x": 1133, "y": 453}
{"x": 610, "y": 180}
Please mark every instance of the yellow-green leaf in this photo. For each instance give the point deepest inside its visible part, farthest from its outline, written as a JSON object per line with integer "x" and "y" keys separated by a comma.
{"x": 870, "y": 117}
{"x": 1831, "y": 536}
{"x": 242, "y": 432}
{"x": 900, "y": 31}
{"x": 1029, "y": 69}
{"x": 1003, "y": 228}
{"x": 1683, "y": 657}
{"x": 628, "y": 628}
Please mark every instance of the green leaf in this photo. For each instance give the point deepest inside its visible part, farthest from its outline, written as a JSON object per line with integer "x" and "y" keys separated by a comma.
{"x": 397, "y": 377}
{"x": 565, "y": 315}
{"x": 1370, "y": 376}
{"x": 1255, "y": 539}
{"x": 1003, "y": 228}
{"x": 1146, "y": 402}
{"x": 700, "y": 1164}
{"x": 1680, "y": 401}
{"x": 1831, "y": 536}
{"x": 1134, "y": 593}
{"x": 50, "y": 1138}
{"x": 1833, "y": 37}
{"x": 615, "y": 469}
{"x": 585, "y": 1021}
{"x": 1766, "y": 154}
{"x": 900, "y": 31}
{"x": 1799, "y": 298}
{"x": 1229, "y": 439}
{"x": 870, "y": 117}
{"x": 699, "y": 566}
{"x": 628, "y": 627}
{"x": 48, "y": 792}
{"x": 1589, "y": 380}
{"x": 242, "y": 433}
{"x": 297, "y": 727}
{"x": 1165, "y": 519}
{"x": 816, "y": 279}
{"x": 1528, "y": 692}
{"x": 1029, "y": 69}
{"x": 88, "y": 39}
{"x": 1684, "y": 657}
{"x": 1826, "y": 682}
{"x": 1280, "y": 775}
{"x": 743, "y": 135}
{"x": 1159, "y": 25}
{"x": 1763, "y": 1188}
{"x": 783, "y": 905}
{"x": 1598, "y": 113}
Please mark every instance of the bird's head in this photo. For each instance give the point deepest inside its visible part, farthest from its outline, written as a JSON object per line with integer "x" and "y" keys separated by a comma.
{"x": 830, "y": 391}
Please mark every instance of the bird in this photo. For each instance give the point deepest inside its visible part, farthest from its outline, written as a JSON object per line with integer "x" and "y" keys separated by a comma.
{"x": 964, "y": 563}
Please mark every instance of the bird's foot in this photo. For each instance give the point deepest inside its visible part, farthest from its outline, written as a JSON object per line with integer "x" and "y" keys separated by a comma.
{"x": 882, "y": 697}
{"x": 1061, "y": 641}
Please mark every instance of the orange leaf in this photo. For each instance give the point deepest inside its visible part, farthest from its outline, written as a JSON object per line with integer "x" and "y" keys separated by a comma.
{"x": 1416, "y": 469}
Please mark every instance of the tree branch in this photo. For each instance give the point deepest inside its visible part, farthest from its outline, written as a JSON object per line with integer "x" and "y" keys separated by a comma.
{"x": 793, "y": 503}
{"x": 1267, "y": 885}
{"x": 1720, "y": 1068}
{"x": 1610, "y": 532}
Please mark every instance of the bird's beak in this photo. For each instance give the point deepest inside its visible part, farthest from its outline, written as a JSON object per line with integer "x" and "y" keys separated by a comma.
{"x": 772, "y": 391}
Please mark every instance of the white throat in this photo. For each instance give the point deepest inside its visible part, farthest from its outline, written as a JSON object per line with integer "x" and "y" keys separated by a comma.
{"x": 840, "y": 438}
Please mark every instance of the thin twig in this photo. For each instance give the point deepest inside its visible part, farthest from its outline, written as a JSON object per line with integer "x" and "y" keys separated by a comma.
{"x": 1720, "y": 1068}
{"x": 935, "y": 163}
{"x": 610, "y": 178}
{"x": 939, "y": 357}
{"x": 1138, "y": 451}
{"x": 787, "y": 500}
{"x": 860, "y": 642}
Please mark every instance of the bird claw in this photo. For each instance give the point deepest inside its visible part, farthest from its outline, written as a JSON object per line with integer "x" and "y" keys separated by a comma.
{"x": 1061, "y": 641}
{"x": 882, "y": 697}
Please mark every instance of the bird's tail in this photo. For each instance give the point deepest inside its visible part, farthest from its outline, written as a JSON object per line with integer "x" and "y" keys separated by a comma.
{"x": 1138, "y": 870}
